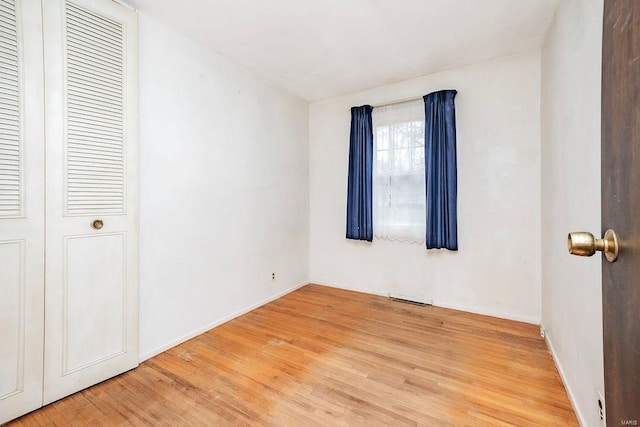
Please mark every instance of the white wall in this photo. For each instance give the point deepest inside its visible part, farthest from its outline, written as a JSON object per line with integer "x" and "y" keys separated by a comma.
{"x": 224, "y": 189}
{"x": 228, "y": 197}
{"x": 571, "y": 286}
{"x": 497, "y": 269}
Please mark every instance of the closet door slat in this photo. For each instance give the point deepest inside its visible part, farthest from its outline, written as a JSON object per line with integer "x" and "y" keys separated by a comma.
{"x": 10, "y": 115}
{"x": 93, "y": 172}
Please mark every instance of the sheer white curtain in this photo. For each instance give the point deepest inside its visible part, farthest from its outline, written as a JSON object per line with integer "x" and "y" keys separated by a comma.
{"x": 398, "y": 172}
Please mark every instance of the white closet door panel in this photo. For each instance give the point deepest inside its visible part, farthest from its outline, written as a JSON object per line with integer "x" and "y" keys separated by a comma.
{"x": 92, "y": 274}
{"x": 12, "y": 316}
{"x": 21, "y": 208}
{"x": 94, "y": 296}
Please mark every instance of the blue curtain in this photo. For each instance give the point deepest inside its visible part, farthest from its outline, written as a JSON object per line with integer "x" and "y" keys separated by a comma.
{"x": 441, "y": 170}
{"x": 359, "y": 192}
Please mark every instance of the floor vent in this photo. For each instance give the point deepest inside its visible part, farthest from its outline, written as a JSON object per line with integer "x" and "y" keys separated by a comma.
{"x": 410, "y": 300}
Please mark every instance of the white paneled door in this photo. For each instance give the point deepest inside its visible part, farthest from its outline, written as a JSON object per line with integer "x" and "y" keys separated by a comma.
{"x": 21, "y": 207}
{"x": 91, "y": 111}
{"x": 68, "y": 194}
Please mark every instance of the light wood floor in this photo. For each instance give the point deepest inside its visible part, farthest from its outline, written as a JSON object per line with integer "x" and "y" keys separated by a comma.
{"x": 322, "y": 356}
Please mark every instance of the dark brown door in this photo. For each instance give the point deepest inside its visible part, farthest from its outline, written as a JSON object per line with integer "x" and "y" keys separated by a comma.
{"x": 621, "y": 208}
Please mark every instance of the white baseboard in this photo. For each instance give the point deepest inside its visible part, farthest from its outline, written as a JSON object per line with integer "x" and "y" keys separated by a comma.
{"x": 444, "y": 304}
{"x": 488, "y": 312}
{"x": 572, "y": 399}
{"x": 218, "y": 322}
{"x": 346, "y": 288}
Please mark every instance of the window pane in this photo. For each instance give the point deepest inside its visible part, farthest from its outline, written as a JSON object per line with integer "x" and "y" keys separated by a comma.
{"x": 398, "y": 186}
{"x": 382, "y": 162}
{"x": 382, "y": 137}
{"x": 417, "y": 165}
{"x": 400, "y": 161}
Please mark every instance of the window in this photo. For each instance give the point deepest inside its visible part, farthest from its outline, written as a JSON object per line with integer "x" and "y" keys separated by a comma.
{"x": 398, "y": 172}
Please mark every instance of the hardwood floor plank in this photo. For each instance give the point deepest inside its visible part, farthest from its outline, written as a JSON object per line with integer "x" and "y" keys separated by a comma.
{"x": 324, "y": 356}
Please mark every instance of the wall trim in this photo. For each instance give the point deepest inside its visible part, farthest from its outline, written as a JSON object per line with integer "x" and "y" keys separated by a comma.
{"x": 485, "y": 312}
{"x": 218, "y": 322}
{"x": 488, "y": 312}
{"x": 572, "y": 398}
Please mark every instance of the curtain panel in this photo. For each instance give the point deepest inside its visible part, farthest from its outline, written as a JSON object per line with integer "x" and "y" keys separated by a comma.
{"x": 441, "y": 170}
{"x": 359, "y": 186}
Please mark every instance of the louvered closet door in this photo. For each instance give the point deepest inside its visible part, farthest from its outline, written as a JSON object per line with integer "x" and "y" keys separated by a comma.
{"x": 92, "y": 192}
{"x": 21, "y": 207}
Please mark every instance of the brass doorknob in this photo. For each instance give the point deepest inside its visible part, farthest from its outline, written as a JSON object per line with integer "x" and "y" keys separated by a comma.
{"x": 97, "y": 224}
{"x": 582, "y": 243}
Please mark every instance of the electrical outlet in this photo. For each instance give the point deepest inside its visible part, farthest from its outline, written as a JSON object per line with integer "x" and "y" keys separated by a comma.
{"x": 542, "y": 332}
{"x": 273, "y": 276}
{"x": 601, "y": 408}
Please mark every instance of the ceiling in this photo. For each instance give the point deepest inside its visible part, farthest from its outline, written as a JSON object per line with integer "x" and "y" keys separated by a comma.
{"x": 317, "y": 49}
